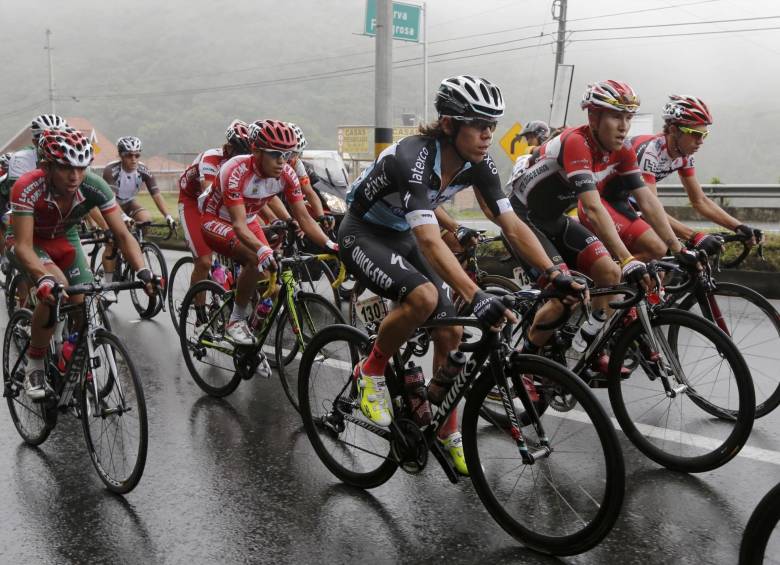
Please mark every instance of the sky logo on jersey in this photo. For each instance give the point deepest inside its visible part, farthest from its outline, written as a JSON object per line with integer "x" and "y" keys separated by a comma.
{"x": 419, "y": 166}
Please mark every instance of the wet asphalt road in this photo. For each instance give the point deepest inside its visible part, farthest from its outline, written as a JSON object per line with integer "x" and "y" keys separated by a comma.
{"x": 236, "y": 481}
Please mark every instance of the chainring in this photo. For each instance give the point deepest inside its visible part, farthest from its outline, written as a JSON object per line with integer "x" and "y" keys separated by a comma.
{"x": 411, "y": 449}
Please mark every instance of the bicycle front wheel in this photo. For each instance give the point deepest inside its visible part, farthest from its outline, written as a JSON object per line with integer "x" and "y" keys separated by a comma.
{"x": 350, "y": 446}
{"x": 149, "y": 306}
{"x": 564, "y": 503}
{"x": 754, "y": 326}
{"x": 113, "y": 415}
{"x": 689, "y": 407}
{"x": 29, "y": 418}
{"x": 178, "y": 285}
{"x": 205, "y": 313}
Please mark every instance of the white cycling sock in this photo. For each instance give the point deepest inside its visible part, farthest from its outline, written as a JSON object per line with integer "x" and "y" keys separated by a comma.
{"x": 239, "y": 312}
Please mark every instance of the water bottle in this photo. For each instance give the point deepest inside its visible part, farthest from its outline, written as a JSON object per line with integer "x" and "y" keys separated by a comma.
{"x": 67, "y": 351}
{"x": 218, "y": 273}
{"x": 416, "y": 395}
{"x": 264, "y": 308}
{"x": 588, "y": 331}
{"x": 445, "y": 376}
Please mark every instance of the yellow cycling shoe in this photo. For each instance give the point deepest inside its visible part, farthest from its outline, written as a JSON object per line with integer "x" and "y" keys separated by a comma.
{"x": 374, "y": 397}
{"x": 453, "y": 443}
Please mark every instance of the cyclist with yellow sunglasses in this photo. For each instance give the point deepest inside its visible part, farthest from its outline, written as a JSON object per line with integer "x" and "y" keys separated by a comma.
{"x": 686, "y": 123}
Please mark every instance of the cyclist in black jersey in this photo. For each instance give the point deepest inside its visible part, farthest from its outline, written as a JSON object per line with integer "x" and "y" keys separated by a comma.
{"x": 390, "y": 239}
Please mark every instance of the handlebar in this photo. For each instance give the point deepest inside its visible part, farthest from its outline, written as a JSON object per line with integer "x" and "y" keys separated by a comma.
{"x": 140, "y": 226}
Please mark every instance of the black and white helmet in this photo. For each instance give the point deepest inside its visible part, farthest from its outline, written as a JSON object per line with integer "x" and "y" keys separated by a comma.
{"x": 129, "y": 144}
{"x": 5, "y": 158}
{"x": 469, "y": 97}
{"x": 537, "y": 128}
{"x": 44, "y": 122}
{"x": 301, "y": 139}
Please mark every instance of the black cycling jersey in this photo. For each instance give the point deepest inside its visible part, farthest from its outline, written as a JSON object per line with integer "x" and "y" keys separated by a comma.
{"x": 403, "y": 186}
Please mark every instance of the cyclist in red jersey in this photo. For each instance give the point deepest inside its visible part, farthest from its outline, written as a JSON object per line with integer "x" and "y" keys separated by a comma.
{"x": 686, "y": 119}
{"x": 196, "y": 179}
{"x": 243, "y": 186}
{"x": 576, "y": 166}
{"x": 48, "y": 204}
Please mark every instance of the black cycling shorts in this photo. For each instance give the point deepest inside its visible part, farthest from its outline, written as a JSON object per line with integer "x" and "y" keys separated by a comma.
{"x": 564, "y": 239}
{"x": 389, "y": 262}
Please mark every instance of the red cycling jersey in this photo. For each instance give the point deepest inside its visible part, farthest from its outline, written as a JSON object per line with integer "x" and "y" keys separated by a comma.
{"x": 654, "y": 160}
{"x": 569, "y": 165}
{"x": 241, "y": 182}
{"x": 204, "y": 168}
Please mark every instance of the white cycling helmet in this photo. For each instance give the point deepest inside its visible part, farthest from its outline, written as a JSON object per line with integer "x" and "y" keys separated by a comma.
{"x": 300, "y": 138}
{"x": 44, "y": 122}
{"x": 5, "y": 158}
{"x": 469, "y": 97}
{"x": 129, "y": 144}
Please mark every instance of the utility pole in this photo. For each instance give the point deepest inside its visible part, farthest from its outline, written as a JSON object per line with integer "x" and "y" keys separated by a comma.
{"x": 383, "y": 83}
{"x": 49, "y": 48}
{"x": 560, "y": 44}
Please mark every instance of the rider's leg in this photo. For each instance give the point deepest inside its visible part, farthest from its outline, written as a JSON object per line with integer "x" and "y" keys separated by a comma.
{"x": 446, "y": 339}
{"x": 648, "y": 246}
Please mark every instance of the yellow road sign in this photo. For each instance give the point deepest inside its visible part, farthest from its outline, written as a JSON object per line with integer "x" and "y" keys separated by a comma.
{"x": 512, "y": 144}
{"x": 358, "y": 141}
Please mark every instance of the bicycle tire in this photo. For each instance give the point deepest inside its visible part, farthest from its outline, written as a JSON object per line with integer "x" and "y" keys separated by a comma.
{"x": 758, "y": 530}
{"x": 222, "y": 386}
{"x": 524, "y": 523}
{"x": 176, "y": 284}
{"x": 311, "y": 319}
{"x": 148, "y": 306}
{"x": 766, "y": 385}
{"x": 12, "y": 299}
{"x": 330, "y": 276}
{"x": 639, "y": 394}
{"x": 30, "y": 418}
{"x": 497, "y": 281}
{"x": 327, "y": 365}
{"x": 122, "y": 403}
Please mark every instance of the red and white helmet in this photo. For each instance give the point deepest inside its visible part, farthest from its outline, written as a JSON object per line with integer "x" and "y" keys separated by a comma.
{"x": 272, "y": 134}
{"x": 686, "y": 110}
{"x": 66, "y": 146}
{"x": 237, "y": 134}
{"x": 611, "y": 95}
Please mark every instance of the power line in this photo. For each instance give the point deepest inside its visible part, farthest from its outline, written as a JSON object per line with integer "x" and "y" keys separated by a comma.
{"x": 644, "y": 10}
{"x": 644, "y": 26}
{"x": 692, "y": 33}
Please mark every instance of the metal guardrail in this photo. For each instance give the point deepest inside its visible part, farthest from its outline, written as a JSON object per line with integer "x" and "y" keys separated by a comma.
{"x": 722, "y": 191}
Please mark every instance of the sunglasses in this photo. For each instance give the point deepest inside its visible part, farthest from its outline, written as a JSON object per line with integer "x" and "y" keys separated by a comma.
{"x": 275, "y": 154}
{"x": 480, "y": 124}
{"x": 133, "y": 155}
{"x": 700, "y": 134}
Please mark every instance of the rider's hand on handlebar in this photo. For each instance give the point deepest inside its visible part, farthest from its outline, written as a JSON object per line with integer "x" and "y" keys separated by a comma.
{"x": 575, "y": 288}
{"x": 466, "y": 237}
{"x": 45, "y": 287}
{"x": 710, "y": 243}
{"x": 170, "y": 221}
{"x": 756, "y": 235}
{"x": 265, "y": 259}
{"x": 634, "y": 271}
{"x": 151, "y": 282}
{"x": 491, "y": 310}
{"x": 688, "y": 260}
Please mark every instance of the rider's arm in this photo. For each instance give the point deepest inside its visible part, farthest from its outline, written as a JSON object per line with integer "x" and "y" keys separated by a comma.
{"x": 127, "y": 243}
{"x": 442, "y": 260}
{"x": 308, "y": 225}
{"x": 603, "y": 224}
{"x": 680, "y": 229}
{"x": 276, "y": 208}
{"x": 97, "y": 218}
{"x": 312, "y": 198}
{"x": 154, "y": 190}
{"x": 705, "y": 206}
{"x": 654, "y": 213}
{"x": 241, "y": 229}
{"x": 23, "y": 246}
{"x": 446, "y": 221}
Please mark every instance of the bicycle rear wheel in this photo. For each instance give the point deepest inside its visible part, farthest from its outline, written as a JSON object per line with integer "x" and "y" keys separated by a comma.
{"x": 205, "y": 313}
{"x": 114, "y": 419}
{"x": 562, "y": 504}
{"x": 313, "y": 313}
{"x": 754, "y": 326}
{"x": 705, "y": 416}
{"x": 346, "y": 442}
{"x": 29, "y": 418}
{"x": 149, "y": 306}
{"x": 178, "y": 285}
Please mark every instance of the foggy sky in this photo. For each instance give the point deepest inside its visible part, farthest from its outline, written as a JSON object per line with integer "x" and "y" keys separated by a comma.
{"x": 110, "y": 48}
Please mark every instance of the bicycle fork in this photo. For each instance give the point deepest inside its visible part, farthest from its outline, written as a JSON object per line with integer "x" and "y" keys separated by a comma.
{"x": 658, "y": 356}
{"x": 503, "y": 374}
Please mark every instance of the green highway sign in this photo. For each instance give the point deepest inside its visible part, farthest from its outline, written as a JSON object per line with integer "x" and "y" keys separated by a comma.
{"x": 406, "y": 20}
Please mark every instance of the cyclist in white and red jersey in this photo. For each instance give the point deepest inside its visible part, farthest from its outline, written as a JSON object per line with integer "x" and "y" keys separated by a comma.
{"x": 199, "y": 177}
{"x": 686, "y": 119}
{"x": 243, "y": 186}
{"x": 575, "y": 167}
